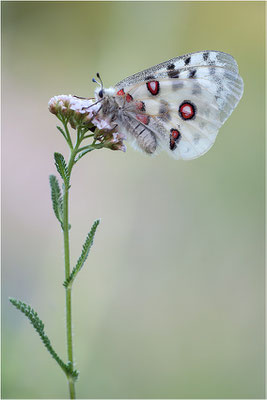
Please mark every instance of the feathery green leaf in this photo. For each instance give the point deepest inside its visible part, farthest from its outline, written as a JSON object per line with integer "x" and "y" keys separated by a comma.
{"x": 62, "y": 167}
{"x": 56, "y": 197}
{"x": 39, "y": 327}
{"x": 85, "y": 251}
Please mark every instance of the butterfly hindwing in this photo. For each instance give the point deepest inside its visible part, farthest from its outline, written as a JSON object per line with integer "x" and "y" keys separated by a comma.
{"x": 183, "y": 102}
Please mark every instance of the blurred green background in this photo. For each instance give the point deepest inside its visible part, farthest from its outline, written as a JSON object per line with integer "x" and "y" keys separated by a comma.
{"x": 171, "y": 302}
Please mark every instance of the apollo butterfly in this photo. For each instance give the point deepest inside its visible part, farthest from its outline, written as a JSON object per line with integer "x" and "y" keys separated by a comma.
{"x": 177, "y": 106}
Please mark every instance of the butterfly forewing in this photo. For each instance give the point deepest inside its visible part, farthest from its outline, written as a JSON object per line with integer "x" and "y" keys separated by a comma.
{"x": 179, "y": 105}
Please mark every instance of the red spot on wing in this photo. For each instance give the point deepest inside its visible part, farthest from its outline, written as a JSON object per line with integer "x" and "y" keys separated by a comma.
{"x": 129, "y": 98}
{"x": 121, "y": 92}
{"x": 175, "y": 134}
{"x": 187, "y": 110}
{"x": 153, "y": 87}
{"x": 140, "y": 105}
{"x": 143, "y": 118}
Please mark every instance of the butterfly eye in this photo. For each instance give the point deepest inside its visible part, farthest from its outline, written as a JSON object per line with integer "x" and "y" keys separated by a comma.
{"x": 101, "y": 93}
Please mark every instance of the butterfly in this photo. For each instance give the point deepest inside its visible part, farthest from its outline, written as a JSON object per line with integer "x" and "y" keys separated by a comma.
{"x": 177, "y": 106}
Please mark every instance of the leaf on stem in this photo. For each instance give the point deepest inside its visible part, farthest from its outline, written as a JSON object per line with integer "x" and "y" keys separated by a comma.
{"x": 61, "y": 167}
{"x": 39, "y": 327}
{"x": 56, "y": 197}
{"x": 85, "y": 251}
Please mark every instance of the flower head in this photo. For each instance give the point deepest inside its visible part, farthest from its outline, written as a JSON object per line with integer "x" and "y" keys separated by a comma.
{"x": 80, "y": 112}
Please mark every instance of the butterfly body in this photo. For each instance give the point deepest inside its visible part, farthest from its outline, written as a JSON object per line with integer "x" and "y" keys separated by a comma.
{"x": 177, "y": 106}
{"x": 128, "y": 118}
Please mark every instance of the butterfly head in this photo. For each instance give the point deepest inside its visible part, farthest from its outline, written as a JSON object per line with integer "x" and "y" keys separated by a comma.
{"x": 101, "y": 92}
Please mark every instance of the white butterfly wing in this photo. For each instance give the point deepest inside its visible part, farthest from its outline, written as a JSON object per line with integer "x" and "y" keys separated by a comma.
{"x": 187, "y": 100}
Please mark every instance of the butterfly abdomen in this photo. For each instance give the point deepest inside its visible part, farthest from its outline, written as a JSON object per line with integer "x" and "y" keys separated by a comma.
{"x": 137, "y": 127}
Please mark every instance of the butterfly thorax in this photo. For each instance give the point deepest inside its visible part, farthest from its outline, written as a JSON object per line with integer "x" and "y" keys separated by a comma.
{"x": 127, "y": 115}
{"x": 110, "y": 106}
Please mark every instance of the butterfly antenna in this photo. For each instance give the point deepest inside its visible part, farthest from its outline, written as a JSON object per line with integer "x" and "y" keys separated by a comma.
{"x": 101, "y": 82}
{"x": 95, "y": 81}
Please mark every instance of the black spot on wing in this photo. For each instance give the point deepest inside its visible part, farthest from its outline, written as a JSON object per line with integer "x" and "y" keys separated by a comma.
{"x": 187, "y": 60}
{"x": 173, "y": 73}
{"x": 149, "y": 77}
{"x": 173, "y": 145}
{"x": 205, "y": 55}
{"x": 170, "y": 66}
{"x": 192, "y": 73}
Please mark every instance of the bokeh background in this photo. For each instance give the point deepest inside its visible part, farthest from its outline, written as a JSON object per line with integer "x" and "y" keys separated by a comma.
{"x": 171, "y": 301}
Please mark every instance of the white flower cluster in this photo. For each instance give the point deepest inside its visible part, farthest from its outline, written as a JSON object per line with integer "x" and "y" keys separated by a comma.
{"x": 85, "y": 111}
{"x": 81, "y": 110}
{"x": 68, "y": 105}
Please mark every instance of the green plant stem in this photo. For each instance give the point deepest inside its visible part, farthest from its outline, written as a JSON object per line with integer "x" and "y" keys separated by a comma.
{"x": 68, "y": 291}
{"x": 74, "y": 152}
{"x": 67, "y": 268}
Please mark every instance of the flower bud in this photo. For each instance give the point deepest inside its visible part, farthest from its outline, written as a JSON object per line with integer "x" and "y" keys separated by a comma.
{"x": 114, "y": 141}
